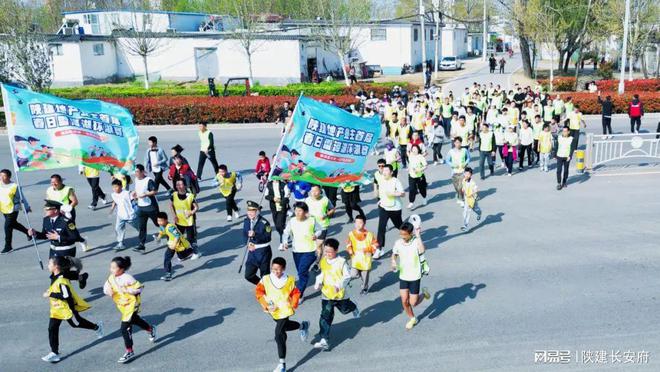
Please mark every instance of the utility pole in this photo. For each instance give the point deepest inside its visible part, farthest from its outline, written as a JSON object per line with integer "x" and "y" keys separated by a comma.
{"x": 626, "y": 25}
{"x": 485, "y": 42}
{"x": 438, "y": 35}
{"x": 421, "y": 21}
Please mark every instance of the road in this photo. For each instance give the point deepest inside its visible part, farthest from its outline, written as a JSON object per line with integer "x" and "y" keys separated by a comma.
{"x": 544, "y": 270}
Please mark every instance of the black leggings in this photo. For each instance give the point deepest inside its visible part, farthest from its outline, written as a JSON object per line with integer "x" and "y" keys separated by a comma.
{"x": 351, "y": 200}
{"x": 635, "y": 124}
{"x": 437, "y": 154}
{"x": 202, "y": 159}
{"x": 416, "y": 185}
{"x": 127, "y": 329}
{"x": 159, "y": 180}
{"x": 231, "y": 202}
{"x": 54, "y": 329}
{"x": 282, "y": 326}
{"x": 96, "y": 190}
{"x": 11, "y": 224}
{"x": 383, "y": 217}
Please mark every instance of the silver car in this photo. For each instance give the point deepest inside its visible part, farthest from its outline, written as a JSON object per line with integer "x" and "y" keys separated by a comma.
{"x": 451, "y": 63}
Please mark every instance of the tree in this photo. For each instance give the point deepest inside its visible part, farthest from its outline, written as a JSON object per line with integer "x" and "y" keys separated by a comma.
{"x": 516, "y": 9}
{"x": 644, "y": 25}
{"x": 339, "y": 26}
{"x": 248, "y": 33}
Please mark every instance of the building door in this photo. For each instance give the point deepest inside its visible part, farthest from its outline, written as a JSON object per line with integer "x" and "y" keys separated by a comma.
{"x": 311, "y": 65}
{"x": 206, "y": 62}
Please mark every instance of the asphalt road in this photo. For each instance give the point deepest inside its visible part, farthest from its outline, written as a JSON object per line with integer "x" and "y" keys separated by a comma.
{"x": 544, "y": 270}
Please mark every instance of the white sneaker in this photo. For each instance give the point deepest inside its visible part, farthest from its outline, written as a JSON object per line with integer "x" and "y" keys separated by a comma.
{"x": 194, "y": 256}
{"x": 104, "y": 202}
{"x": 323, "y": 345}
{"x": 462, "y": 204}
{"x": 377, "y": 254}
{"x": 51, "y": 358}
{"x": 435, "y": 162}
{"x": 236, "y": 215}
{"x": 119, "y": 246}
{"x": 152, "y": 334}
{"x": 228, "y": 218}
{"x": 85, "y": 246}
{"x": 410, "y": 205}
{"x": 356, "y": 312}
{"x": 280, "y": 368}
{"x": 99, "y": 330}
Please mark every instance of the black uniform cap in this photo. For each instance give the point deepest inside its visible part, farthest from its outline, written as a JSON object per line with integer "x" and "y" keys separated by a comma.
{"x": 52, "y": 204}
{"x": 253, "y": 205}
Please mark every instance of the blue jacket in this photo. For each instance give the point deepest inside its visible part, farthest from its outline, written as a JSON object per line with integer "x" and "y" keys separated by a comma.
{"x": 299, "y": 189}
{"x": 162, "y": 160}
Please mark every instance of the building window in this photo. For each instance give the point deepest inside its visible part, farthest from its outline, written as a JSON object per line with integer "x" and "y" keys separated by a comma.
{"x": 415, "y": 35}
{"x": 378, "y": 34}
{"x": 98, "y": 50}
{"x": 431, "y": 34}
{"x": 56, "y": 49}
{"x": 93, "y": 20}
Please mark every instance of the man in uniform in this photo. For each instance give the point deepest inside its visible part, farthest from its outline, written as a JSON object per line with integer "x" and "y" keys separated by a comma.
{"x": 68, "y": 200}
{"x": 256, "y": 231}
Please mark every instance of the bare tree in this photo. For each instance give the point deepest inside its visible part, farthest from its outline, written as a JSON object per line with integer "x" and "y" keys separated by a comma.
{"x": 250, "y": 28}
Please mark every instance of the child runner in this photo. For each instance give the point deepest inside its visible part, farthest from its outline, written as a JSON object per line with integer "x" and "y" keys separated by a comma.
{"x": 470, "y": 192}
{"x": 304, "y": 231}
{"x": 408, "y": 250}
{"x": 184, "y": 208}
{"x": 332, "y": 281}
{"x": 229, "y": 183}
{"x": 126, "y": 294}
{"x": 65, "y": 304}
{"x": 9, "y": 204}
{"x": 125, "y": 212}
{"x": 545, "y": 147}
{"x": 458, "y": 158}
{"x": 176, "y": 244}
{"x": 321, "y": 208}
{"x": 564, "y": 154}
{"x": 361, "y": 245}
{"x": 390, "y": 192}
{"x": 416, "y": 178}
{"x": 278, "y": 296}
{"x": 263, "y": 165}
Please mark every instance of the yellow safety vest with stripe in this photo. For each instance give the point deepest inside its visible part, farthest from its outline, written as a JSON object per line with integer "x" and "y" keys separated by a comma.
{"x": 59, "y": 309}
{"x": 486, "y": 141}
{"x": 170, "y": 231}
{"x": 61, "y": 195}
{"x": 564, "y": 146}
{"x": 126, "y": 303}
{"x": 303, "y": 235}
{"x": 204, "y": 140}
{"x": 463, "y": 131}
{"x": 404, "y": 135}
{"x": 180, "y": 208}
{"x": 226, "y": 184}
{"x": 90, "y": 172}
{"x": 332, "y": 278}
{"x": 545, "y": 142}
{"x": 470, "y": 192}
{"x": 7, "y": 198}
{"x": 318, "y": 208}
{"x": 362, "y": 250}
{"x": 279, "y": 297}
{"x": 446, "y": 110}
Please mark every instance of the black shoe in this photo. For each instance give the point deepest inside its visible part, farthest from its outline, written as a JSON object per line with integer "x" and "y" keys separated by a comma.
{"x": 7, "y": 250}
{"x": 350, "y": 220}
{"x": 82, "y": 280}
{"x": 558, "y": 187}
{"x": 139, "y": 249}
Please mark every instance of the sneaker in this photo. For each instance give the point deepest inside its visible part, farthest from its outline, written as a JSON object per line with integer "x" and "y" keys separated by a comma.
{"x": 99, "y": 330}
{"x": 464, "y": 228}
{"x": 119, "y": 246}
{"x": 461, "y": 203}
{"x": 509, "y": 174}
{"x": 378, "y": 254}
{"x": 228, "y": 218}
{"x": 85, "y": 246}
{"x": 410, "y": 205}
{"x": 51, "y": 358}
{"x": 479, "y": 217}
{"x": 104, "y": 202}
{"x": 215, "y": 183}
{"x": 92, "y": 207}
{"x": 236, "y": 214}
{"x": 82, "y": 280}
{"x": 152, "y": 334}
{"x": 411, "y": 323}
{"x": 194, "y": 256}
{"x": 140, "y": 249}
{"x": 304, "y": 328}
{"x": 356, "y": 312}
{"x": 435, "y": 162}
{"x": 558, "y": 186}
{"x": 281, "y": 367}
{"x": 441, "y": 161}
{"x": 7, "y": 250}
{"x": 126, "y": 357}
{"x": 425, "y": 293}
{"x": 167, "y": 277}
{"x": 323, "y": 345}
{"x": 564, "y": 186}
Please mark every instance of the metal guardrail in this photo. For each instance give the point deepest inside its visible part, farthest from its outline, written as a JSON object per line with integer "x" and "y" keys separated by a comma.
{"x": 602, "y": 149}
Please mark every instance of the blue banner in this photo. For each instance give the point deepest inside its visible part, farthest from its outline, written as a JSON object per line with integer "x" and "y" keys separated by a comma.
{"x": 326, "y": 145}
{"x": 48, "y": 132}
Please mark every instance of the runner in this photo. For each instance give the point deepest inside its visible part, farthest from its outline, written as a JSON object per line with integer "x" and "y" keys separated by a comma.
{"x": 126, "y": 293}
{"x": 545, "y": 147}
{"x": 176, "y": 244}
{"x": 564, "y": 154}
{"x": 229, "y": 183}
{"x": 279, "y": 297}
{"x": 65, "y": 304}
{"x": 147, "y": 205}
{"x": 206, "y": 151}
{"x": 416, "y": 178}
{"x": 332, "y": 282}
{"x": 486, "y": 150}
{"x": 92, "y": 176}
{"x": 68, "y": 200}
{"x": 122, "y": 203}
{"x": 407, "y": 250}
{"x": 9, "y": 204}
{"x": 458, "y": 158}
{"x": 257, "y": 234}
{"x": 510, "y": 148}
{"x": 470, "y": 192}
{"x": 392, "y": 158}
{"x": 277, "y": 193}
{"x": 361, "y": 245}
{"x": 321, "y": 209}
{"x": 390, "y": 192}
{"x": 184, "y": 208}
{"x": 526, "y": 138}
{"x": 155, "y": 161}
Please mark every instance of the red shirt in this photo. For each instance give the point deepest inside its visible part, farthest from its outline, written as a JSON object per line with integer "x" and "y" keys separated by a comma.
{"x": 263, "y": 165}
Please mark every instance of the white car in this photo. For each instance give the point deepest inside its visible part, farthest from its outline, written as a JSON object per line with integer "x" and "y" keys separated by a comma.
{"x": 450, "y": 63}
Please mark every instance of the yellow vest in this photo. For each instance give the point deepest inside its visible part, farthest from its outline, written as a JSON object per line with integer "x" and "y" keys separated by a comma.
{"x": 303, "y": 235}
{"x": 91, "y": 172}
{"x": 404, "y": 133}
{"x": 319, "y": 209}
{"x": 349, "y": 188}
{"x": 545, "y": 142}
{"x": 59, "y": 309}
{"x": 470, "y": 192}
{"x": 180, "y": 208}
{"x": 183, "y": 242}
{"x": 126, "y": 303}
{"x": 7, "y": 198}
{"x": 574, "y": 121}
{"x": 61, "y": 195}
{"x": 226, "y": 184}
{"x": 204, "y": 140}
{"x": 122, "y": 178}
{"x": 332, "y": 277}
{"x": 486, "y": 141}
{"x": 362, "y": 250}
{"x": 392, "y": 126}
{"x": 279, "y": 297}
{"x": 464, "y": 133}
{"x": 564, "y": 146}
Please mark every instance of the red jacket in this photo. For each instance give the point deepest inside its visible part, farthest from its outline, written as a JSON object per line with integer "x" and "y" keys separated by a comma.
{"x": 262, "y": 166}
{"x": 635, "y": 109}
{"x": 183, "y": 171}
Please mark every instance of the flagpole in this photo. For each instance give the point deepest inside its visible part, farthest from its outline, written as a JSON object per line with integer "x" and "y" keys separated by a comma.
{"x": 5, "y": 99}
{"x": 270, "y": 174}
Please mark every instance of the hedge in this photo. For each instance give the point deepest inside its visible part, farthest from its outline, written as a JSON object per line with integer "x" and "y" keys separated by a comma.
{"x": 588, "y": 102}
{"x": 639, "y": 85}
{"x": 196, "y": 110}
{"x": 559, "y": 84}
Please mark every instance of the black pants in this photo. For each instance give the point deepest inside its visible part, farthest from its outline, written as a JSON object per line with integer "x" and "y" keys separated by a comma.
{"x": 351, "y": 202}
{"x": 383, "y": 217}
{"x": 11, "y": 224}
{"x": 282, "y": 326}
{"x": 96, "y": 190}
{"x": 536, "y": 151}
{"x": 230, "y": 202}
{"x": 635, "y": 124}
{"x": 54, "y": 329}
{"x": 575, "y": 133}
{"x": 258, "y": 260}
{"x": 562, "y": 166}
{"x": 191, "y": 235}
{"x": 344, "y": 306}
{"x": 169, "y": 255}
{"x": 437, "y": 154}
{"x": 607, "y": 125}
{"x": 279, "y": 220}
{"x": 160, "y": 180}
{"x": 126, "y": 329}
{"x": 202, "y": 159}
{"x": 417, "y": 185}
{"x": 331, "y": 193}
{"x": 521, "y": 155}
{"x": 142, "y": 218}
{"x": 446, "y": 124}
{"x": 509, "y": 162}
{"x": 403, "y": 151}
{"x": 501, "y": 69}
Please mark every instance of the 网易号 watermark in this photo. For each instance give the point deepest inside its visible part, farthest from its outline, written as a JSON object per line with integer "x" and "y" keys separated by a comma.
{"x": 591, "y": 356}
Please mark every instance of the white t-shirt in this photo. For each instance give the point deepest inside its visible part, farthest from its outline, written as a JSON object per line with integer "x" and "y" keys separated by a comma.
{"x": 526, "y": 136}
{"x": 410, "y": 268}
{"x": 391, "y": 203}
{"x": 123, "y": 205}
{"x": 153, "y": 158}
{"x": 142, "y": 187}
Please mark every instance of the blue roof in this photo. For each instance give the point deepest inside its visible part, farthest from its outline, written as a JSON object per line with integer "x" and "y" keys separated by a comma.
{"x": 134, "y": 11}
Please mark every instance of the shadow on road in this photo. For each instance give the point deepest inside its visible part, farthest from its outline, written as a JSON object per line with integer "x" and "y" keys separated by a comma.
{"x": 448, "y": 297}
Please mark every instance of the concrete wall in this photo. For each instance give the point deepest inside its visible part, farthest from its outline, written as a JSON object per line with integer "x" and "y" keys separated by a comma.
{"x": 454, "y": 42}
{"x": 98, "y": 68}
{"x": 67, "y": 68}
{"x": 390, "y": 53}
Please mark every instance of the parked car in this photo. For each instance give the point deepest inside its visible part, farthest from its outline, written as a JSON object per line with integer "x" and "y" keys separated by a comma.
{"x": 374, "y": 70}
{"x": 450, "y": 63}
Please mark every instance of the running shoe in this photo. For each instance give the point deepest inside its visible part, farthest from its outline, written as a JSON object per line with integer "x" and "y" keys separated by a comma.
{"x": 99, "y": 330}
{"x": 479, "y": 217}
{"x": 167, "y": 277}
{"x": 85, "y": 246}
{"x": 323, "y": 345}
{"x": 378, "y": 254}
{"x": 228, "y": 218}
{"x": 119, "y": 246}
{"x": 152, "y": 334}
{"x": 194, "y": 256}
{"x": 82, "y": 280}
{"x": 356, "y": 312}
{"x": 410, "y": 205}
{"x": 92, "y": 207}
{"x": 236, "y": 214}
{"x": 411, "y": 323}
{"x": 126, "y": 357}
{"x": 304, "y": 328}
{"x": 280, "y": 368}
{"x": 51, "y": 358}
{"x": 425, "y": 293}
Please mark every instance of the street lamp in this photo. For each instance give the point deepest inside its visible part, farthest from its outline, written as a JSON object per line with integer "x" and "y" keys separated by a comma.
{"x": 626, "y": 21}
